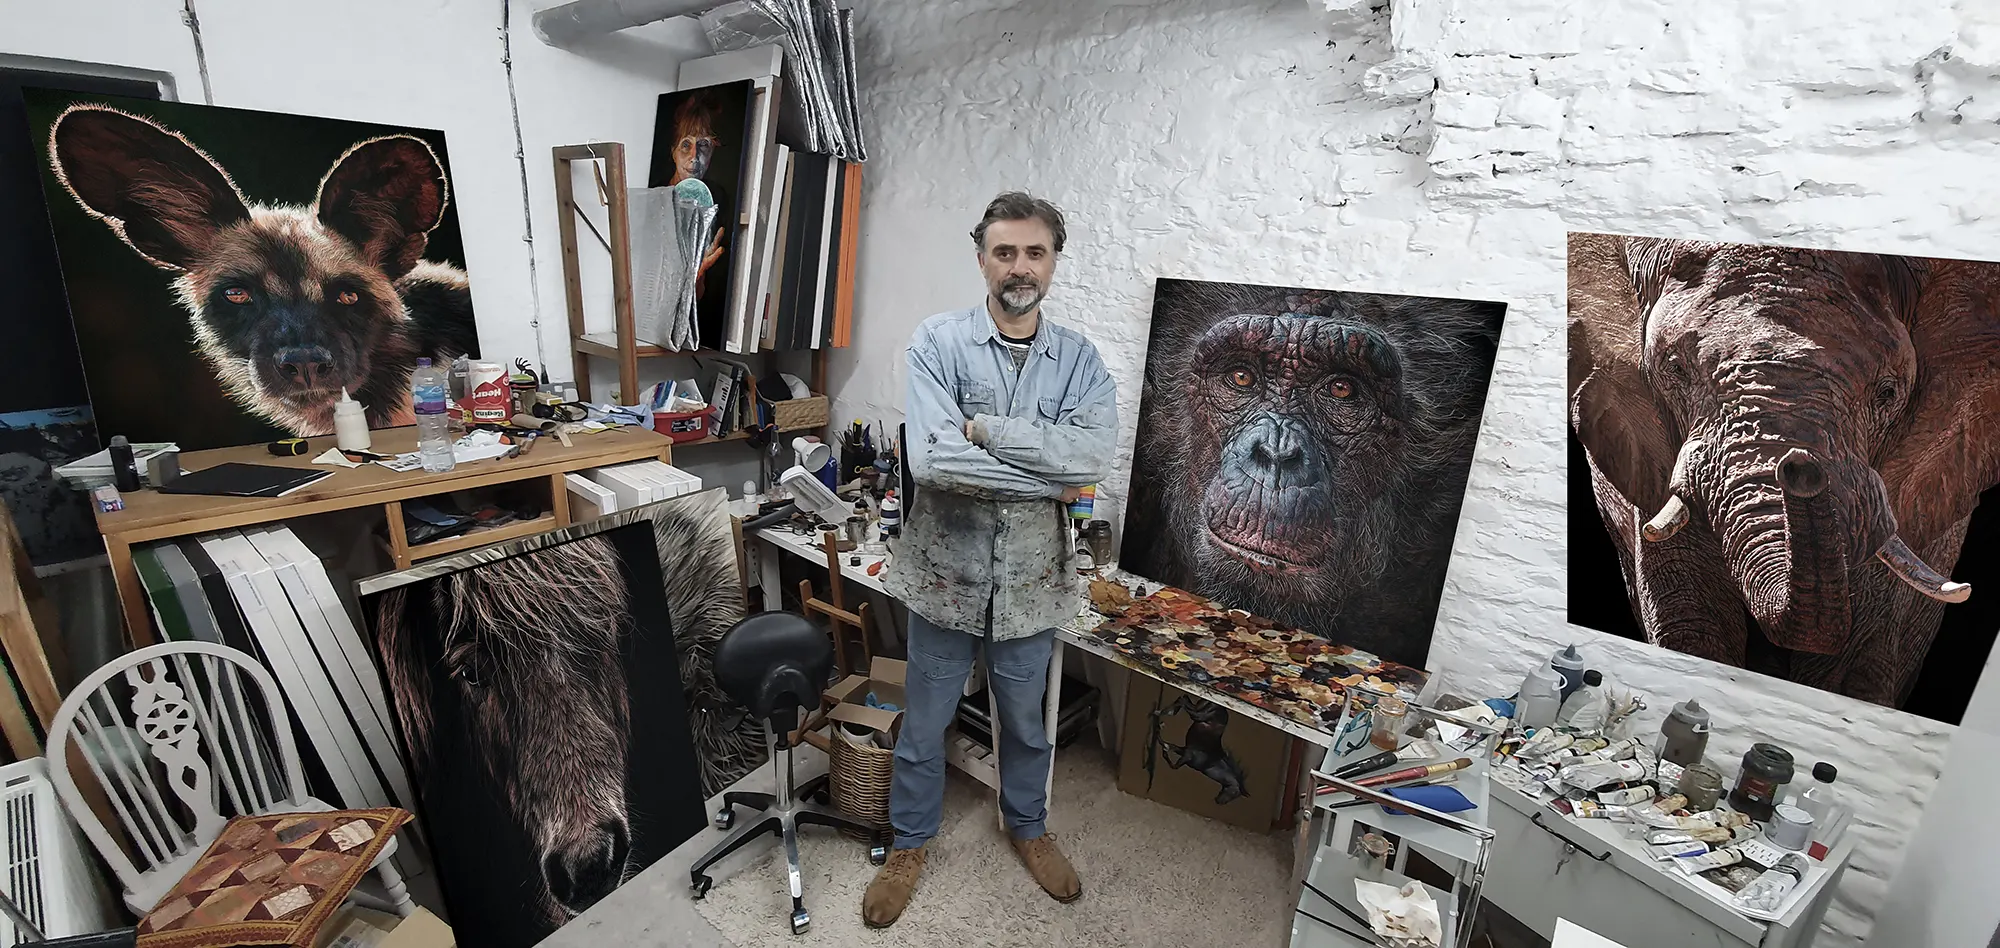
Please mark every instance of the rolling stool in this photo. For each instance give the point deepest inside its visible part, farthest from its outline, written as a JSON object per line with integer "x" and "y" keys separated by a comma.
{"x": 775, "y": 663}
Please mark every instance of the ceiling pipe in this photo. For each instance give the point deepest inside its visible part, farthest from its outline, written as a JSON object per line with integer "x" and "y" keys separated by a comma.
{"x": 580, "y": 19}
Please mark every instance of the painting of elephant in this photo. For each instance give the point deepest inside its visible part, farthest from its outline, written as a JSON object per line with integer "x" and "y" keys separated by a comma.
{"x": 1785, "y": 447}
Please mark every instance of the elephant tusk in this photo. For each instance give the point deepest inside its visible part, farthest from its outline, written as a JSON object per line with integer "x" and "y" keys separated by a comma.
{"x": 1911, "y": 569}
{"x": 1669, "y": 521}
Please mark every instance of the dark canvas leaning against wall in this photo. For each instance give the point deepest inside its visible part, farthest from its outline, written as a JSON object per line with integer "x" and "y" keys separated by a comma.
{"x": 1302, "y": 453}
{"x": 44, "y": 409}
{"x": 699, "y": 133}
{"x": 1778, "y": 461}
{"x": 537, "y": 688}
{"x": 229, "y": 271}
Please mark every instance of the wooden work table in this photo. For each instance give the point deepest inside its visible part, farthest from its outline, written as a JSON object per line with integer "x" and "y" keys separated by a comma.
{"x": 150, "y": 515}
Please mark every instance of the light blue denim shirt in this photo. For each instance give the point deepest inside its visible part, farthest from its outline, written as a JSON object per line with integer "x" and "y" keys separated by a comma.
{"x": 986, "y": 525}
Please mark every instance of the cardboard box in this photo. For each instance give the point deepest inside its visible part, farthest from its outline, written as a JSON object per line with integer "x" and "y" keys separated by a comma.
{"x": 420, "y": 930}
{"x": 355, "y": 927}
{"x": 1161, "y": 760}
{"x": 849, "y": 697}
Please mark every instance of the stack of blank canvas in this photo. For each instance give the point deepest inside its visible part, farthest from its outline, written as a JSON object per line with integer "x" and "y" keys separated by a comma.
{"x": 261, "y": 590}
{"x": 625, "y": 486}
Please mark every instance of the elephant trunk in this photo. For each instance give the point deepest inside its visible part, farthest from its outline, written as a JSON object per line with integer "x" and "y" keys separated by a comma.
{"x": 1808, "y": 609}
{"x": 1791, "y": 528}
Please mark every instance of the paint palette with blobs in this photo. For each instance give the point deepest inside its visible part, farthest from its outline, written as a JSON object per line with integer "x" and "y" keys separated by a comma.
{"x": 1282, "y": 670}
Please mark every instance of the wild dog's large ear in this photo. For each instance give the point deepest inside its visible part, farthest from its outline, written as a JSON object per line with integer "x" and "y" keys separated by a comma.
{"x": 154, "y": 189}
{"x": 385, "y": 194}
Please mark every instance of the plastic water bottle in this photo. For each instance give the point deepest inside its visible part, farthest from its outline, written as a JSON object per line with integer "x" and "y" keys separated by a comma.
{"x": 433, "y": 425}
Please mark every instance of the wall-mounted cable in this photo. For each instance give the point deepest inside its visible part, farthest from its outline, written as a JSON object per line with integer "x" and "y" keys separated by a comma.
{"x": 527, "y": 205}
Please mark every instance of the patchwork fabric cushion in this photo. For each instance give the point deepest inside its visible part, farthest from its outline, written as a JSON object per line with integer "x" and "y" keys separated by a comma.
{"x": 271, "y": 879}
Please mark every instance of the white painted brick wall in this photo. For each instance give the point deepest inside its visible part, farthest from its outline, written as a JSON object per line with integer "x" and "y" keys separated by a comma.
{"x": 1447, "y": 154}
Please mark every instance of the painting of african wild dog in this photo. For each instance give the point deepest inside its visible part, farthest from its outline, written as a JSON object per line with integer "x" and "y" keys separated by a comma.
{"x": 231, "y": 272}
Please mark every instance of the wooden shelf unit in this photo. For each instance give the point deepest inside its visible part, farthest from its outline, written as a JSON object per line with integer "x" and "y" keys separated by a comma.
{"x": 620, "y": 344}
{"x": 150, "y": 515}
{"x": 483, "y": 536}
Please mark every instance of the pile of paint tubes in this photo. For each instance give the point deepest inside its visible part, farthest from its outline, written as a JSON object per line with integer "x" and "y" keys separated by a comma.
{"x": 1592, "y": 777}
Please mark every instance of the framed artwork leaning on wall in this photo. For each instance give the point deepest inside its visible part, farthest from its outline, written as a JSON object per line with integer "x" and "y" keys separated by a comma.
{"x": 1302, "y": 453}
{"x": 538, "y": 690}
{"x": 1781, "y": 457}
{"x": 230, "y": 271}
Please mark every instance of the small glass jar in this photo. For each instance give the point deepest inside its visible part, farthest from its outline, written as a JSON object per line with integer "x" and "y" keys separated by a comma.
{"x": 1387, "y": 720}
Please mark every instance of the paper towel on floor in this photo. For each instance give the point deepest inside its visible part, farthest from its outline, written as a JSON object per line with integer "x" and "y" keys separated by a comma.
{"x": 1406, "y": 916}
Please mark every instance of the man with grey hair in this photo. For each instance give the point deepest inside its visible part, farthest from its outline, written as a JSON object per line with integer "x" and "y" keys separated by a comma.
{"x": 1009, "y": 415}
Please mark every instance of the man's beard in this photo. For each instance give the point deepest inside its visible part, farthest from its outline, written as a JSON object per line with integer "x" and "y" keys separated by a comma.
{"x": 1018, "y": 298}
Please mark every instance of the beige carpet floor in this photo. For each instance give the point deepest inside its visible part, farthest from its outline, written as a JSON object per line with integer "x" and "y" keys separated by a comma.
{"x": 1152, "y": 875}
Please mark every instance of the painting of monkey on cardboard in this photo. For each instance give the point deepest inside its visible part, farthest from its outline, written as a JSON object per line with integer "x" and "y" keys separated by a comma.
{"x": 231, "y": 271}
{"x": 1302, "y": 453}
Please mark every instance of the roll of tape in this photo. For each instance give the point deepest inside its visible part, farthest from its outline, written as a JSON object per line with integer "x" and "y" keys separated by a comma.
{"x": 1791, "y": 827}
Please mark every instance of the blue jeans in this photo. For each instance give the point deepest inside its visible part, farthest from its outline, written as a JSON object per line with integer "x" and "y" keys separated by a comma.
{"x": 1017, "y": 671}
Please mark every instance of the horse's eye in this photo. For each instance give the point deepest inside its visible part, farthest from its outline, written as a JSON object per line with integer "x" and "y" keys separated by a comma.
{"x": 347, "y": 298}
{"x": 237, "y": 295}
{"x": 471, "y": 669}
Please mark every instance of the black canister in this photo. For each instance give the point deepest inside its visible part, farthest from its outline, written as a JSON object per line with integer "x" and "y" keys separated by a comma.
{"x": 124, "y": 470}
{"x": 1766, "y": 768}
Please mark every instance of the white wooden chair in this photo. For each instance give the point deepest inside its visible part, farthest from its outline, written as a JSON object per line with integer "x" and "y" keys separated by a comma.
{"x": 192, "y": 730}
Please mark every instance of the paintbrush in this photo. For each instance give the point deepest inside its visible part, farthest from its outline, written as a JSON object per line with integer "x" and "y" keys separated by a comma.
{"x": 1415, "y": 750}
{"x": 1413, "y": 773}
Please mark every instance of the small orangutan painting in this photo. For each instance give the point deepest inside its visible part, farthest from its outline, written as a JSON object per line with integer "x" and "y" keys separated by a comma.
{"x": 1302, "y": 454}
{"x": 698, "y": 134}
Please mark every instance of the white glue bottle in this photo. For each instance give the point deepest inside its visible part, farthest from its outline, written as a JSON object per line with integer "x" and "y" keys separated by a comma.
{"x": 350, "y": 424}
{"x": 1585, "y": 709}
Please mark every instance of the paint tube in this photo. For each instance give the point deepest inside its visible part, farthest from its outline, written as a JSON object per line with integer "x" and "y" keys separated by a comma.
{"x": 1623, "y": 750}
{"x": 1546, "y": 741}
{"x": 1717, "y": 835}
{"x": 1766, "y": 892}
{"x": 1592, "y": 810}
{"x": 1629, "y": 796}
{"x": 1663, "y": 837}
{"x": 1672, "y": 851}
{"x": 1588, "y": 745}
{"x": 1719, "y": 859}
{"x": 1591, "y": 774}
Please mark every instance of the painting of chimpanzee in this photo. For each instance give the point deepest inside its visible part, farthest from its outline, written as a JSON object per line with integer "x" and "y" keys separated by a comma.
{"x": 231, "y": 272}
{"x": 1302, "y": 454}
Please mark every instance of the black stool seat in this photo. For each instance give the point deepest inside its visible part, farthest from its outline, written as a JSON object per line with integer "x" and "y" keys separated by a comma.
{"x": 775, "y": 663}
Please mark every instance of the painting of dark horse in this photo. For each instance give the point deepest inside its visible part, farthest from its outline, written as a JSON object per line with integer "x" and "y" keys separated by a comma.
{"x": 1782, "y": 459}
{"x": 538, "y": 690}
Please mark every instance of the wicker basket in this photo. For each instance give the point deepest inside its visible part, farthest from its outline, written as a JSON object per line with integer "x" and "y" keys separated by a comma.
{"x": 858, "y": 775}
{"x": 799, "y": 414}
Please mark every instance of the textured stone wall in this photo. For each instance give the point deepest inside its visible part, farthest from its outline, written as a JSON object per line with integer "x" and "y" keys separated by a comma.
{"x": 1442, "y": 148}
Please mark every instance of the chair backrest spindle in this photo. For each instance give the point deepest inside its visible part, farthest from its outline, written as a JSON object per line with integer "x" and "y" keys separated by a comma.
{"x": 191, "y": 753}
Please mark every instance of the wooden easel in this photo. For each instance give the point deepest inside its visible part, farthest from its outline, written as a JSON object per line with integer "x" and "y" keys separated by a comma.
{"x": 839, "y": 619}
{"x": 841, "y": 624}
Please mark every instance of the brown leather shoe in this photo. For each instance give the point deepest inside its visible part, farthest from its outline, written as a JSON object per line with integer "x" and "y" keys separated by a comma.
{"x": 883, "y": 903}
{"x": 1047, "y": 864}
